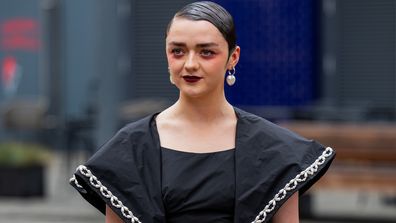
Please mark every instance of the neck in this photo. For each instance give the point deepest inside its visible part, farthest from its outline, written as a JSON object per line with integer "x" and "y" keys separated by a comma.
{"x": 203, "y": 109}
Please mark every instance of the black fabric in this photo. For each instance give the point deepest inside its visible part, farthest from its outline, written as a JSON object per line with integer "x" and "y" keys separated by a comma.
{"x": 266, "y": 158}
{"x": 129, "y": 166}
{"x": 198, "y": 187}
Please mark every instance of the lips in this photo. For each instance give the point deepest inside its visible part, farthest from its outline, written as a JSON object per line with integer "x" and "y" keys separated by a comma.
{"x": 191, "y": 79}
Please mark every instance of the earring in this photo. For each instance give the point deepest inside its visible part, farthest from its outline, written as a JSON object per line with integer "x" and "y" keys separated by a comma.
{"x": 230, "y": 77}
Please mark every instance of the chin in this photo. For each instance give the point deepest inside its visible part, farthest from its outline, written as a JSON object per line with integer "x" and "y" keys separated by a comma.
{"x": 197, "y": 91}
{"x": 192, "y": 93}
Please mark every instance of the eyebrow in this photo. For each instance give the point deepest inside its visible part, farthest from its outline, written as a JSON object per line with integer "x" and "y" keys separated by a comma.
{"x": 200, "y": 45}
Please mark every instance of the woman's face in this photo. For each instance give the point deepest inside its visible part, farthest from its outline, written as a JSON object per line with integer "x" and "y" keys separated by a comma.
{"x": 197, "y": 56}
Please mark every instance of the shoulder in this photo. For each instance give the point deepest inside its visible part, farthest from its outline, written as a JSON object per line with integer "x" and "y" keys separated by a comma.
{"x": 136, "y": 127}
{"x": 258, "y": 126}
{"x": 271, "y": 140}
{"x": 134, "y": 131}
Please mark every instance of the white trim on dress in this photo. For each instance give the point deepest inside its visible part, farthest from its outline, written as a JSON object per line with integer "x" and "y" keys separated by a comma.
{"x": 104, "y": 192}
{"x": 301, "y": 177}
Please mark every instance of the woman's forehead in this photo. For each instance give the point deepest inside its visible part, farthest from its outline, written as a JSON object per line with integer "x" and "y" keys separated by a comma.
{"x": 201, "y": 31}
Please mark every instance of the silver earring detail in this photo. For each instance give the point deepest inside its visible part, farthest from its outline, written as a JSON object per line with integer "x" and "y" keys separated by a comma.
{"x": 230, "y": 77}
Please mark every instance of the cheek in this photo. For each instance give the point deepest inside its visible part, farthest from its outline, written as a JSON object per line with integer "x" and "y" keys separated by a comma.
{"x": 217, "y": 65}
{"x": 173, "y": 63}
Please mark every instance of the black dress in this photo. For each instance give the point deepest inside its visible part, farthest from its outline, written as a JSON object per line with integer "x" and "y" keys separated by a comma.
{"x": 198, "y": 187}
{"x": 270, "y": 164}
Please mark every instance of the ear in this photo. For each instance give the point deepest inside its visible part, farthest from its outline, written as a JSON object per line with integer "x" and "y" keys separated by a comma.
{"x": 234, "y": 58}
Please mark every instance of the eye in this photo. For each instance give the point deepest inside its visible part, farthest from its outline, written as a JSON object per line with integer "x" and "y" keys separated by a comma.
{"x": 177, "y": 51}
{"x": 207, "y": 53}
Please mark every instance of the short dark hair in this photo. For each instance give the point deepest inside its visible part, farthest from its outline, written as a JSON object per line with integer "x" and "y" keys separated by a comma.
{"x": 213, "y": 13}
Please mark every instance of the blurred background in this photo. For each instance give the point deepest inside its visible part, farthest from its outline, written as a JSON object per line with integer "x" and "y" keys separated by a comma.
{"x": 73, "y": 72}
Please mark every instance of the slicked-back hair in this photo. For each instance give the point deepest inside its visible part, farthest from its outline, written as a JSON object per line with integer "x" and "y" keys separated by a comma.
{"x": 213, "y": 13}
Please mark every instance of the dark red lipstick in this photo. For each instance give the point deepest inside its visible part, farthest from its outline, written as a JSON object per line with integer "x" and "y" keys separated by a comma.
{"x": 192, "y": 79}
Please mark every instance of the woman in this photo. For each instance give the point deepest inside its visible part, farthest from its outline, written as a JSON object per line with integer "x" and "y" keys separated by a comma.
{"x": 201, "y": 160}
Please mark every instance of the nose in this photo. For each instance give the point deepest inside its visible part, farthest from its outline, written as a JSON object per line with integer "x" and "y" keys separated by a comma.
{"x": 191, "y": 62}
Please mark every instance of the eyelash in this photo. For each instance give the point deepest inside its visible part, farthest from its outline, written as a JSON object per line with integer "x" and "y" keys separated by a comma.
{"x": 205, "y": 52}
{"x": 180, "y": 52}
{"x": 177, "y": 51}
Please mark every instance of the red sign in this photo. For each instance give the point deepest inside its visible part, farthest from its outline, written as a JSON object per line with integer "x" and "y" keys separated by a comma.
{"x": 19, "y": 34}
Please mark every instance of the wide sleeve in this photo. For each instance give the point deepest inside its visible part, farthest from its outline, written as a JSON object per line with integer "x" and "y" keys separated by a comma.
{"x": 273, "y": 163}
{"x": 125, "y": 175}
{"x": 297, "y": 170}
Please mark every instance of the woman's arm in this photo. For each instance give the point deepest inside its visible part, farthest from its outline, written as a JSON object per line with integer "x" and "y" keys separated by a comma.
{"x": 288, "y": 212}
{"x": 112, "y": 217}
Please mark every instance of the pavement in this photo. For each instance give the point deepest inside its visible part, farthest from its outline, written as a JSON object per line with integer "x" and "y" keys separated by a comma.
{"x": 62, "y": 204}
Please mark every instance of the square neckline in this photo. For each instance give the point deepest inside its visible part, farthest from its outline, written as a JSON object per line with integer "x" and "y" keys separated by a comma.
{"x": 197, "y": 153}
{"x": 156, "y": 134}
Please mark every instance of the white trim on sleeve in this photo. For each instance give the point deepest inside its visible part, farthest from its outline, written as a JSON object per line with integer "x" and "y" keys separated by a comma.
{"x": 301, "y": 177}
{"x": 104, "y": 192}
